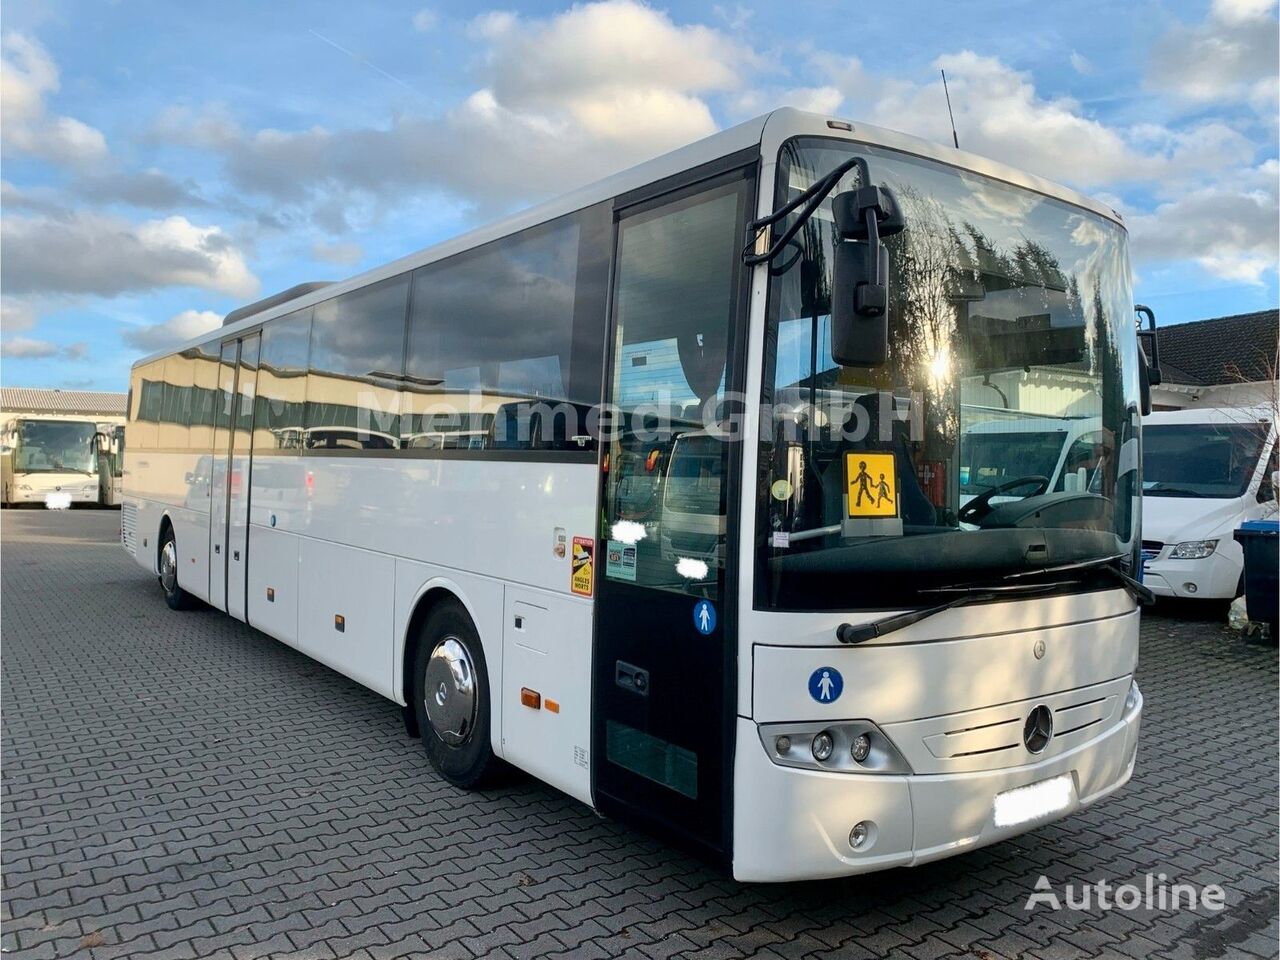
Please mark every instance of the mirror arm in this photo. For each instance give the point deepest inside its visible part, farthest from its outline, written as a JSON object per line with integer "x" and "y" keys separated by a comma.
{"x": 811, "y": 198}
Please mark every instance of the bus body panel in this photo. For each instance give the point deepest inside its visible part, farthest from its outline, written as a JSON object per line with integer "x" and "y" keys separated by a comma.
{"x": 799, "y": 821}
{"x": 892, "y": 679}
{"x": 275, "y": 587}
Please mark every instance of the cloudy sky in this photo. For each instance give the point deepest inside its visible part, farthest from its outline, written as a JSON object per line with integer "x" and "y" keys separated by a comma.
{"x": 165, "y": 163}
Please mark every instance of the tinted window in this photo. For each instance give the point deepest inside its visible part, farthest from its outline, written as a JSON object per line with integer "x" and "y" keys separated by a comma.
{"x": 1200, "y": 459}
{"x": 282, "y": 382}
{"x": 506, "y": 341}
{"x": 356, "y": 362}
{"x": 675, "y": 306}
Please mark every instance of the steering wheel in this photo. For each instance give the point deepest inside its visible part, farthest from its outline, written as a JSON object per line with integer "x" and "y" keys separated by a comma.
{"x": 980, "y": 506}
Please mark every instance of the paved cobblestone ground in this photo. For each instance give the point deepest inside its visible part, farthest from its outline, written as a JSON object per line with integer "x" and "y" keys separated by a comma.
{"x": 178, "y": 785}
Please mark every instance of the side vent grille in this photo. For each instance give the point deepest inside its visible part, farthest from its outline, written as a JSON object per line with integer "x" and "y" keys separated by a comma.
{"x": 129, "y": 528}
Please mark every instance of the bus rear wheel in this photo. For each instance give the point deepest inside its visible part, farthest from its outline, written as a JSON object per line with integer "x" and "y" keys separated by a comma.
{"x": 451, "y": 698}
{"x": 174, "y": 595}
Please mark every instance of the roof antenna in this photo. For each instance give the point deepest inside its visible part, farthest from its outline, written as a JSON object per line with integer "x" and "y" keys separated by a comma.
{"x": 955, "y": 139}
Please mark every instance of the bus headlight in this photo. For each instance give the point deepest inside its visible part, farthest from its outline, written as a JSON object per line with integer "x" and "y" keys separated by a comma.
{"x": 861, "y": 748}
{"x": 1193, "y": 549}
{"x": 854, "y": 746}
{"x": 822, "y": 746}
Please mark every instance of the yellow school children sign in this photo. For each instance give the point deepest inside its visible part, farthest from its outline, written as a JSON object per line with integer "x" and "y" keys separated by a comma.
{"x": 872, "y": 484}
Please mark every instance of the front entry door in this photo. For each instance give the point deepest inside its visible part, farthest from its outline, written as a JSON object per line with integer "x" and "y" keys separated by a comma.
{"x": 664, "y": 681}
{"x": 229, "y": 504}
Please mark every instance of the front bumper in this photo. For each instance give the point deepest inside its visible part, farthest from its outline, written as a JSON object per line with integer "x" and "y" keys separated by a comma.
{"x": 1215, "y": 577}
{"x": 794, "y": 824}
{"x": 42, "y": 496}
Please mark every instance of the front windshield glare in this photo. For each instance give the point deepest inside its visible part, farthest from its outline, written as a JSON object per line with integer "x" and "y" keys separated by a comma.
{"x": 1000, "y": 435}
{"x": 51, "y": 446}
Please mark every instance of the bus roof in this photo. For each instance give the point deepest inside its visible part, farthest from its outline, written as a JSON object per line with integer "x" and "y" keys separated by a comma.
{"x": 766, "y": 132}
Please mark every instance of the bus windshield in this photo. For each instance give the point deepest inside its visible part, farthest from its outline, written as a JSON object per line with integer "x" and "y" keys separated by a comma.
{"x": 1214, "y": 460}
{"x": 55, "y": 446}
{"x": 1010, "y": 320}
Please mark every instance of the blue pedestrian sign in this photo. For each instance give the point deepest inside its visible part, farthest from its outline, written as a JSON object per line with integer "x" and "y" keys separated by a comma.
{"x": 826, "y": 685}
{"x": 704, "y": 617}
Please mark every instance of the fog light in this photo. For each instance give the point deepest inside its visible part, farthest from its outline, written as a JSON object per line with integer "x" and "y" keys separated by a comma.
{"x": 1189, "y": 587}
{"x": 822, "y": 746}
{"x": 782, "y": 745}
{"x": 858, "y": 835}
{"x": 861, "y": 747}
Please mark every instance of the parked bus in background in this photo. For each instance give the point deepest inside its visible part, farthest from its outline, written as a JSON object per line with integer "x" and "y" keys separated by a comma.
{"x": 1205, "y": 472}
{"x": 705, "y": 563}
{"x": 50, "y": 460}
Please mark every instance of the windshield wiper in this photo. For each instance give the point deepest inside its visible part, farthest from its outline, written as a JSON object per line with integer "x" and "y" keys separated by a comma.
{"x": 1105, "y": 565}
{"x": 980, "y": 593}
{"x": 860, "y": 633}
{"x": 1159, "y": 487}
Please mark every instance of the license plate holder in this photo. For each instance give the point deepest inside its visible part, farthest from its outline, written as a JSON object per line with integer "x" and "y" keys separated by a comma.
{"x": 1032, "y": 801}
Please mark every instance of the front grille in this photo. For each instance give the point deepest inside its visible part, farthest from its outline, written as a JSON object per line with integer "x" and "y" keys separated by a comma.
{"x": 1151, "y": 549}
{"x": 992, "y": 738}
{"x": 129, "y": 527}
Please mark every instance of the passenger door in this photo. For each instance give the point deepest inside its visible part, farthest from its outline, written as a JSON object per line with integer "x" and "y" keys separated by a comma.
{"x": 231, "y": 465}
{"x": 664, "y": 675}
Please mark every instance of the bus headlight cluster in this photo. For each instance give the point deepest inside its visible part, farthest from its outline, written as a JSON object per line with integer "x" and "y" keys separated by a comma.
{"x": 853, "y": 746}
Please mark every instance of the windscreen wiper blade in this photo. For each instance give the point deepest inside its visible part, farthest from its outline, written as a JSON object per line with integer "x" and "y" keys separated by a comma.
{"x": 862, "y": 632}
{"x": 1107, "y": 565}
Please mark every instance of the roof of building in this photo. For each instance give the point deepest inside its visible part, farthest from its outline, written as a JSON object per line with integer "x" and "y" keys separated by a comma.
{"x": 90, "y": 402}
{"x": 1237, "y": 349}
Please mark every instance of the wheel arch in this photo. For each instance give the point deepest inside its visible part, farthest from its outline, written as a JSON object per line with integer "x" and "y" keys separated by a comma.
{"x": 166, "y": 523}
{"x": 430, "y": 595}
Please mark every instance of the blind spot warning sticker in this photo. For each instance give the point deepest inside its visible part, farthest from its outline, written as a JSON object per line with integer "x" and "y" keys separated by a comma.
{"x": 872, "y": 484}
{"x": 582, "y": 571}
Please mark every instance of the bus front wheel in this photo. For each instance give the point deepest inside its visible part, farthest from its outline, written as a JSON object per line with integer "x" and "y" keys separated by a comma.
{"x": 174, "y": 595}
{"x": 451, "y": 698}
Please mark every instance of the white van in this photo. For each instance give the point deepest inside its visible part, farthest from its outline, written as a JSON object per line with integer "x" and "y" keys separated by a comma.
{"x": 998, "y": 450}
{"x": 1204, "y": 472}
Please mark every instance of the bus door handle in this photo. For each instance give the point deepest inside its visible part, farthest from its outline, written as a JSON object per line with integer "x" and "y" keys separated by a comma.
{"x": 633, "y": 678}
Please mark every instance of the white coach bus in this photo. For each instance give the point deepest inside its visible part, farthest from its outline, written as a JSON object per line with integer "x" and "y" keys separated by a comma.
{"x": 50, "y": 460}
{"x": 824, "y": 661}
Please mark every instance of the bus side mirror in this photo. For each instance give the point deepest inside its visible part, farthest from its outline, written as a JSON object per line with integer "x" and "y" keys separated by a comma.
{"x": 860, "y": 275}
{"x": 1149, "y": 343}
{"x": 859, "y": 305}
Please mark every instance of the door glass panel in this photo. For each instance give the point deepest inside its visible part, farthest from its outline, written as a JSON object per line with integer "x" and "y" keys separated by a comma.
{"x": 676, "y": 290}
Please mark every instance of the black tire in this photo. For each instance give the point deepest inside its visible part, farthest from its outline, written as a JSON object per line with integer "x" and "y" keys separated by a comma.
{"x": 462, "y": 753}
{"x": 174, "y": 595}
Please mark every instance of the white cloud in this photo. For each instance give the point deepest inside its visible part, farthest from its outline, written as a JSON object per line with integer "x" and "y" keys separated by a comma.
{"x": 88, "y": 253}
{"x": 341, "y": 254}
{"x": 560, "y": 101}
{"x": 425, "y": 20}
{"x": 29, "y": 348}
{"x": 1080, "y": 63}
{"x": 27, "y": 76}
{"x": 1229, "y": 227}
{"x": 177, "y": 329}
{"x": 1231, "y": 57}
{"x": 16, "y": 315}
